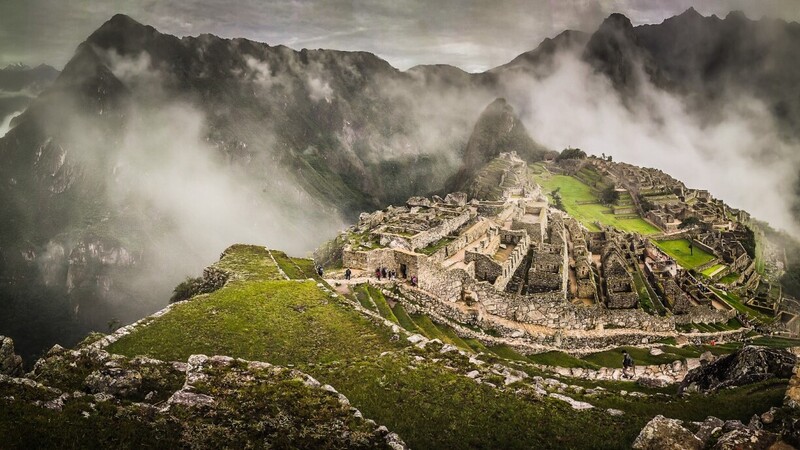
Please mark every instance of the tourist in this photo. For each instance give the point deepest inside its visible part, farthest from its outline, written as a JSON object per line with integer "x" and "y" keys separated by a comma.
{"x": 347, "y": 273}
{"x": 383, "y": 272}
{"x": 628, "y": 369}
{"x": 378, "y": 273}
{"x": 319, "y": 271}
{"x": 414, "y": 281}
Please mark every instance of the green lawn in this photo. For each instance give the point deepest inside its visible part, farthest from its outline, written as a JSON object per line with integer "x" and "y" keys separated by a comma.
{"x": 709, "y": 272}
{"x": 581, "y": 202}
{"x": 679, "y": 251}
{"x": 730, "y": 278}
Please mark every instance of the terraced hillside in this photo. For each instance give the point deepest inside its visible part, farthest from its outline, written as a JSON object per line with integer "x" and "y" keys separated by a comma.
{"x": 275, "y": 325}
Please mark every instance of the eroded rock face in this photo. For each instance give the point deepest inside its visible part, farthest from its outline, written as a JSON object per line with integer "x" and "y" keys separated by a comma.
{"x": 10, "y": 362}
{"x": 746, "y": 366}
{"x": 666, "y": 434}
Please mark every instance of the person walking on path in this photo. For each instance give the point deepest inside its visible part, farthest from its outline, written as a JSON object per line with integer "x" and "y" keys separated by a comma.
{"x": 628, "y": 368}
{"x": 347, "y": 273}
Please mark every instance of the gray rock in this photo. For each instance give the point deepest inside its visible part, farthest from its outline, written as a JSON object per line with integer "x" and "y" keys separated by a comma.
{"x": 708, "y": 428}
{"x": 10, "y": 362}
{"x": 746, "y": 366}
{"x": 666, "y": 434}
{"x": 746, "y": 439}
{"x": 651, "y": 382}
{"x": 114, "y": 381}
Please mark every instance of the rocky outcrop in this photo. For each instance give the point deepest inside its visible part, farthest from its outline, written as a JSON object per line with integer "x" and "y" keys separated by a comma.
{"x": 713, "y": 433}
{"x": 746, "y": 366}
{"x": 10, "y": 362}
{"x": 666, "y": 434}
{"x": 207, "y": 402}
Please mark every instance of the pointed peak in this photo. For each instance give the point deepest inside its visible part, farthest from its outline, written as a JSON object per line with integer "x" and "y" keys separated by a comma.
{"x": 123, "y": 20}
{"x": 617, "y": 21}
{"x": 691, "y": 12}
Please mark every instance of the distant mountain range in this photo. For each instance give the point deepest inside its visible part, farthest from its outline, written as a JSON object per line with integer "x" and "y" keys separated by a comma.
{"x": 96, "y": 174}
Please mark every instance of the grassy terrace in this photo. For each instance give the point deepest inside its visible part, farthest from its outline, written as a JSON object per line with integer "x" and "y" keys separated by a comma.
{"x": 711, "y": 271}
{"x": 679, "y": 251}
{"x": 262, "y": 317}
{"x": 736, "y": 303}
{"x": 581, "y": 202}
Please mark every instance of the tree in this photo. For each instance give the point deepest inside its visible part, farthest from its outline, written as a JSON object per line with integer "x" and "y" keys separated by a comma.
{"x": 609, "y": 195}
{"x": 571, "y": 153}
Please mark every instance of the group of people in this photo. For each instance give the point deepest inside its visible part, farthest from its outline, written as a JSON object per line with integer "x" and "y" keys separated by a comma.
{"x": 383, "y": 272}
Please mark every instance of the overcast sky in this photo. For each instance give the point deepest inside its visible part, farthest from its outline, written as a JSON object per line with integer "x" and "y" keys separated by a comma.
{"x": 474, "y": 35}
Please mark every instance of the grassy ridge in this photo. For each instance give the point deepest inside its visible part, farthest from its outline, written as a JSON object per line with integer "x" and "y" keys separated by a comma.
{"x": 283, "y": 322}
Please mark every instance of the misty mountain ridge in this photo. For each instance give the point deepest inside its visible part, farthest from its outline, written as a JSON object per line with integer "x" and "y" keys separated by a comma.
{"x": 150, "y": 153}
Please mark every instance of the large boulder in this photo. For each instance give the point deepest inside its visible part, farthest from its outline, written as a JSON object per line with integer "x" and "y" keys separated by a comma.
{"x": 10, "y": 362}
{"x": 666, "y": 434}
{"x": 745, "y": 366}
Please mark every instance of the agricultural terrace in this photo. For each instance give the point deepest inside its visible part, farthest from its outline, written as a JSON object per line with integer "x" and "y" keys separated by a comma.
{"x": 581, "y": 202}
{"x": 680, "y": 252}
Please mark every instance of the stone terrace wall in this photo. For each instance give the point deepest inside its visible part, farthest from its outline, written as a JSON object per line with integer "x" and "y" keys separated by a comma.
{"x": 421, "y": 240}
{"x": 704, "y": 314}
{"x": 551, "y": 310}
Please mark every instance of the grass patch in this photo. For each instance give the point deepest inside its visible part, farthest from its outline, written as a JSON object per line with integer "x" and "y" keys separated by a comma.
{"x": 560, "y": 359}
{"x": 728, "y": 404}
{"x": 249, "y": 262}
{"x": 281, "y": 322}
{"x": 709, "y": 272}
{"x": 581, "y": 202}
{"x": 365, "y": 300}
{"x": 679, "y": 251}
{"x": 504, "y": 351}
{"x": 476, "y": 345}
{"x": 431, "y": 407}
{"x": 405, "y": 320}
{"x": 777, "y": 342}
{"x": 289, "y": 267}
{"x": 380, "y": 301}
{"x": 453, "y": 337}
{"x": 429, "y": 328}
{"x": 730, "y": 278}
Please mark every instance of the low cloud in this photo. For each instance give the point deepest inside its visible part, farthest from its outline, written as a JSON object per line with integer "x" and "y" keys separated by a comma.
{"x": 739, "y": 156}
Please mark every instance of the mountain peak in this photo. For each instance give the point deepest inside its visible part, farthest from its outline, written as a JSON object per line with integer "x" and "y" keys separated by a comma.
{"x": 498, "y": 130}
{"x": 691, "y": 12}
{"x": 123, "y": 33}
{"x": 616, "y": 21}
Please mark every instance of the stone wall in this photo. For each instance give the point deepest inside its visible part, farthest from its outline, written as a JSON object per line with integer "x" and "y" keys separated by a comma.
{"x": 448, "y": 225}
{"x": 509, "y": 266}
{"x": 551, "y": 310}
{"x": 705, "y": 314}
